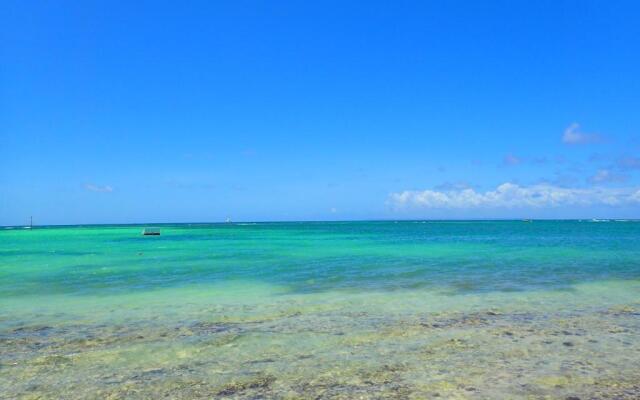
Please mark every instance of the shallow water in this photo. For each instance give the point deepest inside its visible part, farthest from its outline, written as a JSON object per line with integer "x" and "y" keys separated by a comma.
{"x": 464, "y": 309}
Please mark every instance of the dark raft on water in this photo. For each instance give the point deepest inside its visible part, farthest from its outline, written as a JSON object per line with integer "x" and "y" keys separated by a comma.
{"x": 151, "y": 232}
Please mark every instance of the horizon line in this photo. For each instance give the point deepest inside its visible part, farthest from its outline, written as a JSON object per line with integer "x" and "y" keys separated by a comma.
{"x": 325, "y": 221}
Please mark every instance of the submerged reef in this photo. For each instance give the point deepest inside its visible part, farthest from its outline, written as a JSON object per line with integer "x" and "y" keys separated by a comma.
{"x": 330, "y": 353}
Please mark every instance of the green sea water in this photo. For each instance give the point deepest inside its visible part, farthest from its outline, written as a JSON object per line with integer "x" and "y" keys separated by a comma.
{"x": 411, "y": 309}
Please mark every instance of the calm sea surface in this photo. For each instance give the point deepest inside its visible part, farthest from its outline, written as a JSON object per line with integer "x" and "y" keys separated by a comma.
{"x": 414, "y": 309}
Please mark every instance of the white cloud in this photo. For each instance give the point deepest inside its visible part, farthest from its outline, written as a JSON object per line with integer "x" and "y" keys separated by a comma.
{"x": 510, "y": 159}
{"x": 627, "y": 163}
{"x": 605, "y": 175}
{"x": 95, "y": 188}
{"x": 511, "y": 195}
{"x": 573, "y": 135}
{"x": 453, "y": 186}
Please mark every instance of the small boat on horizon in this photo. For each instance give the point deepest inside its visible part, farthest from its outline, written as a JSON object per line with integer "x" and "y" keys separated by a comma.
{"x": 151, "y": 232}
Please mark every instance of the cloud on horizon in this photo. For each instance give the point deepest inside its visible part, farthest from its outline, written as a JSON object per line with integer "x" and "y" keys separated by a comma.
{"x": 511, "y": 195}
{"x": 95, "y": 188}
{"x": 510, "y": 159}
{"x": 606, "y": 176}
{"x": 453, "y": 186}
{"x": 572, "y": 136}
{"x": 629, "y": 163}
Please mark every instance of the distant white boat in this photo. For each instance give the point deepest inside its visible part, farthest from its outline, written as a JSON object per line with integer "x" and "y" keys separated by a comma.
{"x": 228, "y": 220}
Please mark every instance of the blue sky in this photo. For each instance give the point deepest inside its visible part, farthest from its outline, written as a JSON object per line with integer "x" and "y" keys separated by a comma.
{"x": 199, "y": 111}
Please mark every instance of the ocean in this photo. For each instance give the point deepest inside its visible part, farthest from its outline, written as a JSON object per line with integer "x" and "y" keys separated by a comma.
{"x": 323, "y": 310}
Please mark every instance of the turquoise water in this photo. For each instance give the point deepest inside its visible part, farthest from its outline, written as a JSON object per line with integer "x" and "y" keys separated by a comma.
{"x": 412, "y": 309}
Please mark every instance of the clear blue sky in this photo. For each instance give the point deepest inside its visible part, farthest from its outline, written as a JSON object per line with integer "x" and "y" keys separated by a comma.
{"x": 198, "y": 111}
